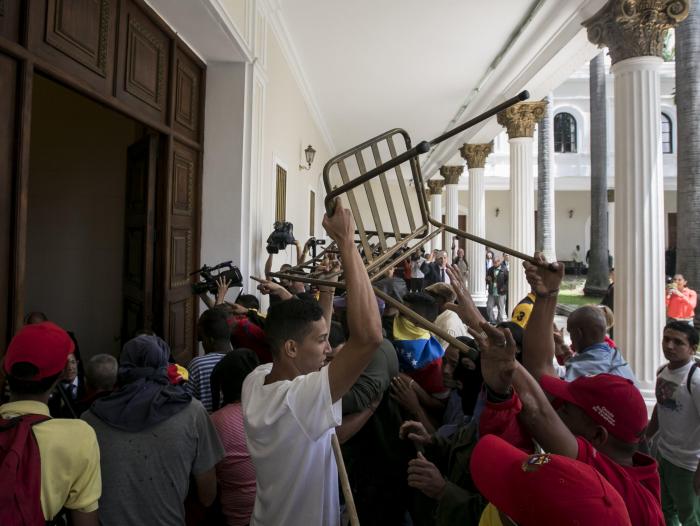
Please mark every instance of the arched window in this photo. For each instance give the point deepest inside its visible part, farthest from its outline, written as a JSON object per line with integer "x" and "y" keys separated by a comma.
{"x": 564, "y": 133}
{"x": 666, "y": 133}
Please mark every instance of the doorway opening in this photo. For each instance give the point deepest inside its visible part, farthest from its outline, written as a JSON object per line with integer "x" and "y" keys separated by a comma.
{"x": 76, "y": 255}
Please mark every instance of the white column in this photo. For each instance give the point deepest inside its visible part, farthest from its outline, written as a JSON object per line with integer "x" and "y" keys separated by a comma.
{"x": 451, "y": 175}
{"x": 520, "y": 122}
{"x": 475, "y": 155}
{"x": 639, "y": 199}
{"x": 639, "y": 223}
{"x": 522, "y": 214}
{"x": 435, "y": 187}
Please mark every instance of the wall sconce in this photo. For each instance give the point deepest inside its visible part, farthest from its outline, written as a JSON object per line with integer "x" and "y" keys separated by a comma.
{"x": 571, "y": 213}
{"x": 498, "y": 211}
{"x": 309, "y": 153}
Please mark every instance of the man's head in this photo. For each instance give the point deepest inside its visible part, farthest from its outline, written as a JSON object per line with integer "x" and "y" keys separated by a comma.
{"x": 248, "y": 301}
{"x": 679, "y": 281}
{"x": 496, "y": 261}
{"x": 605, "y": 409}
{"x": 297, "y": 334}
{"x": 441, "y": 258}
{"x": 460, "y": 252}
{"x": 442, "y": 294}
{"x": 101, "y": 372}
{"x": 36, "y": 358}
{"x": 679, "y": 343}
{"x": 423, "y": 304}
{"x": 35, "y": 317}
{"x": 586, "y": 326}
{"x": 214, "y": 328}
{"x": 71, "y": 370}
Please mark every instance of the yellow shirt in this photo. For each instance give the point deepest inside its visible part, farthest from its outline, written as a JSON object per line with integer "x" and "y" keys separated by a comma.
{"x": 490, "y": 516}
{"x": 70, "y": 460}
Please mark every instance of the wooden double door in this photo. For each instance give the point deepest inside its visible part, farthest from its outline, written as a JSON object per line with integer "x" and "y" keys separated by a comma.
{"x": 122, "y": 55}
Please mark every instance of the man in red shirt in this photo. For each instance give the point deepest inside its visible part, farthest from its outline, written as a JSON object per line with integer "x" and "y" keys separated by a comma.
{"x": 680, "y": 300}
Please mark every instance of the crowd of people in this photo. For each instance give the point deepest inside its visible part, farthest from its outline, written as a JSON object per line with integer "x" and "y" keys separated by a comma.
{"x": 526, "y": 428}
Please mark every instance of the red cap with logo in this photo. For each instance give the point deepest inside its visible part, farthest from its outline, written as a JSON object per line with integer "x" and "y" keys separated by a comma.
{"x": 44, "y": 345}
{"x": 612, "y": 401}
{"x": 535, "y": 490}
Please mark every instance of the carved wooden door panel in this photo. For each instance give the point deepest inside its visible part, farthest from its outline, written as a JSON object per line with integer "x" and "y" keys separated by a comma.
{"x": 137, "y": 284}
{"x": 9, "y": 70}
{"x": 181, "y": 198}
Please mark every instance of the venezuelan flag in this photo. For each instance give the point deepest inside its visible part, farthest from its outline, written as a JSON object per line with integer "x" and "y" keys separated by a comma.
{"x": 420, "y": 354}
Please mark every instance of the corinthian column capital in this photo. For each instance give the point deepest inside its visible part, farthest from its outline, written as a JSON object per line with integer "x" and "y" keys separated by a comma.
{"x": 451, "y": 173}
{"x": 520, "y": 119}
{"x": 435, "y": 186}
{"x": 476, "y": 154}
{"x": 635, "y": 28}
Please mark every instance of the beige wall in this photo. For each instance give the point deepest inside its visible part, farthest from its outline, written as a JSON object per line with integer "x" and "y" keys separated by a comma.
{"x": 288, "y": 129}
{"x": 76, "y": 215}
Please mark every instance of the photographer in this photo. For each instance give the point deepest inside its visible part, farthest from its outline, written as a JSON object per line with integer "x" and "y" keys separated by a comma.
{"x": 418, "y": 263}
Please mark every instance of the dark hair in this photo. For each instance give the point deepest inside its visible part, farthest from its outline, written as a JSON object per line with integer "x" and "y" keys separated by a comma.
{"x": 248, "y": 301}
{"x": 288, "y": 320}
{"x": 20, "y": 383}
{"x": 228, "y": 375}
{"x": 336, "y": 336}
{"x": 423, "y": 304}
{"x": 686, "y": 329}
{"x": 214, "y": 323}
{"x": 35, "y": 317}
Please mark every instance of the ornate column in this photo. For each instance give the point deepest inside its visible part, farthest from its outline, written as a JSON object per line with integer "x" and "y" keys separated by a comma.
{"x": 451, "y": 175}
{"x": 634, "y": 30}
{"x": 519, "y": 121}
{"x": 435, "y": 188}
{"x": 475, "y": 155}
{"x": 545, "y": 236}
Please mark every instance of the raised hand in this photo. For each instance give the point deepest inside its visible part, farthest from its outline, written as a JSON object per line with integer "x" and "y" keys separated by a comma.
{"x": 402, "y": 391}
{"x": 222, "y": 285}
{"x": 464, "y": 307}
{"x": 426, "y": 477}
{"x": 340, "y": 226}
{"x": 267, "y": 286}
{"x": 497, "y": 354}
{"x": 545, "y": 281}
{"x": 415, "y": 432}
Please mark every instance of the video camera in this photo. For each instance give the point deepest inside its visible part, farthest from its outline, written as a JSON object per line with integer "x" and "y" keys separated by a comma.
{"x": 208, "y": 283}
{"x": 282, "y": 235}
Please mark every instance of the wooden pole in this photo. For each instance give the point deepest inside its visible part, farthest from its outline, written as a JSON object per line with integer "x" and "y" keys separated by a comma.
{"x": 345, "y": 482}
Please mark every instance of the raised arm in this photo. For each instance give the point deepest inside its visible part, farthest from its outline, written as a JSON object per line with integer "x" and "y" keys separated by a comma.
{"x": 268, "y": 265}
{"x": 364, "y": 323}
{"x": 465, "y": 307}
{"x": 538, "y": 339}
{"x": 503, "y": 374}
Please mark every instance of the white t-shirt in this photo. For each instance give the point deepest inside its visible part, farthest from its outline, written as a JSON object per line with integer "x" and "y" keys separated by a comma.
{"x": 452, "y": 323}
{"x": 288, "y": 426}
{"x": 679, "y": 416}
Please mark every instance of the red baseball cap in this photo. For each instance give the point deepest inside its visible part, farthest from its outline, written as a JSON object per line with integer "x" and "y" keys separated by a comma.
{"x": 612, "y": 401}
{"x": 534, "y": 490}
{"x": 44, "y": 345}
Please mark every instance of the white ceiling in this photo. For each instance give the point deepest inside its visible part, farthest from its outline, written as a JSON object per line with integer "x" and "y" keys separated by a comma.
{"x": 373, "y": 65}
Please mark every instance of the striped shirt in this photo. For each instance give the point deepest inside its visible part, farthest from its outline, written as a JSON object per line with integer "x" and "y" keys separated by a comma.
{"x": 200, "y": 373}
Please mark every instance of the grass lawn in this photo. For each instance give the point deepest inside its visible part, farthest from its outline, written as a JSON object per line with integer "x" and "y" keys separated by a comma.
{"x": 571, "y": 292}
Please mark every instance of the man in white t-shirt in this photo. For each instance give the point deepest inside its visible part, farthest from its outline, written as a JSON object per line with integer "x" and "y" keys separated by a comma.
{"x": 677, "y": 419}
{"x": 292, "y": 406}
